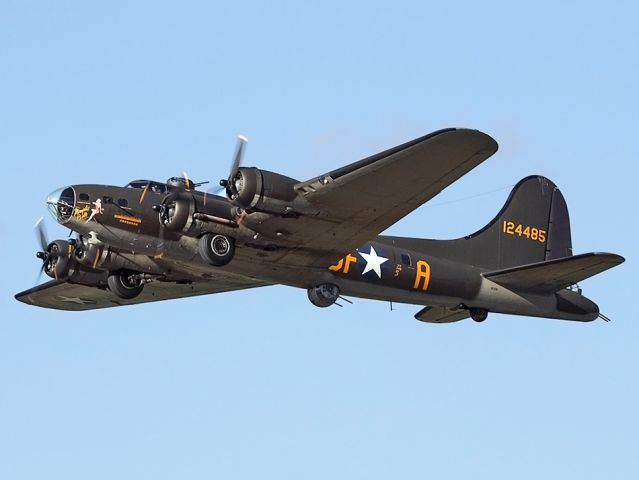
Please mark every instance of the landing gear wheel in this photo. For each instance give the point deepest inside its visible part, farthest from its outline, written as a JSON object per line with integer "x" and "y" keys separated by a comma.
{"x": 126, "y": 285}
{"x": 217, "y": 249}
{"x": 478, "y": 314}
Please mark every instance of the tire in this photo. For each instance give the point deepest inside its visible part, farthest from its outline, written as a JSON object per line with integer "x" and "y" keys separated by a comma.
{"x": 216, "y": 249}
{"x": 478, "y": 314}
{"x": 124, "y": 285}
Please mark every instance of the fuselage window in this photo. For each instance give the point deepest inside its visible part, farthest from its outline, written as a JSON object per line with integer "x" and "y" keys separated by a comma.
{"x": 84, "y": 197}
{"x": 123, "y": 202}
{"x": 406, "y": 259}
{"x": 106, "y": 199}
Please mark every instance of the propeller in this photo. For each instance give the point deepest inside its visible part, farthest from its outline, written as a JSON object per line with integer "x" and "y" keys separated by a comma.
{"x": 41, "y": 238}
{"x": 187, "y": 182}
{"x": 51, "y": 253}
{"x": 229, "y": 183}
{"x": 41, "y": 234}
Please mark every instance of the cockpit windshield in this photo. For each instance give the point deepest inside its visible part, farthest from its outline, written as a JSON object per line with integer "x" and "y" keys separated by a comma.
{"x": 153, "y": 186}
{"x": 61, "y": 203}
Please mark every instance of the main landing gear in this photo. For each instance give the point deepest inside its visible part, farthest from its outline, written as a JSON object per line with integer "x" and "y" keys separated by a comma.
{"x": 478, "y": 314}
{"x": 217, "y": 249}
{"x": 125, "y": 284}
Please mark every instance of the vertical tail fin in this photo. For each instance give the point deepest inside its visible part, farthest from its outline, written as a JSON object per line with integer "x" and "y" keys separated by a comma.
{"x": 532, "y": 226}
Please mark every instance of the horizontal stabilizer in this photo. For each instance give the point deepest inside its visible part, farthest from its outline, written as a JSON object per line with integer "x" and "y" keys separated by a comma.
{"x": 553, "y": 275}
{"x": 441, "y": 315}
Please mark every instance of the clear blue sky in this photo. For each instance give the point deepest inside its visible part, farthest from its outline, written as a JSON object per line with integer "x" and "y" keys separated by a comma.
{"x": 261, "y": 384}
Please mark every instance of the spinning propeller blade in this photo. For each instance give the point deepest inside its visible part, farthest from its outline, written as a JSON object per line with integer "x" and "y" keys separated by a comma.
{"x": 228, "y": 183}
{"x": 43, "y": 243}
{"x": 239, "y": 151}
{"x": 41, "y": 234}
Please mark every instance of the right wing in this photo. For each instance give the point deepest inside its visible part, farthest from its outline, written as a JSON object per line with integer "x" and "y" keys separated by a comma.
{"x": 357, "y": 202}
{"x": 61, "y": 295}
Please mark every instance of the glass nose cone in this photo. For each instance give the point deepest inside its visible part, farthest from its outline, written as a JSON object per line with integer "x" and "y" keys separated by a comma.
{"x": 60, "y": 203}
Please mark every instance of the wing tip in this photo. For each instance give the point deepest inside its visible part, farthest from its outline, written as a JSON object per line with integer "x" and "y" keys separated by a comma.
{"x": 611, "y": 257}
{"x": 491, "y": 144}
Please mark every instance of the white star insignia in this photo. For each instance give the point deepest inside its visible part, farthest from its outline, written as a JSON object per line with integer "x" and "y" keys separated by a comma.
{"x": 78, "y": 300}
{"x": 373, "y": 262}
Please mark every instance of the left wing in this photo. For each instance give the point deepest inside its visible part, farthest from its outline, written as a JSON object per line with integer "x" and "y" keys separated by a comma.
{"x": 72, "y": 296}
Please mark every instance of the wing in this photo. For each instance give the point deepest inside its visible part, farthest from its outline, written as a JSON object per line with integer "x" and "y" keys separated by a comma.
{"x": 72, "y": 296}
{"x": 553, "y": 275}
{"x": 359, "y": 201}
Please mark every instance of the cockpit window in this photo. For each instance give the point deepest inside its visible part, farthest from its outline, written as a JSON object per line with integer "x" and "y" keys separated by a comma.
{"x": 151, "y": 185}
{"x": 138, "y": 184}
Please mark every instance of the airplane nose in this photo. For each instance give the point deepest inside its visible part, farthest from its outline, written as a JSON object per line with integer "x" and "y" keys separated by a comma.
{"x": 60, "y": 203}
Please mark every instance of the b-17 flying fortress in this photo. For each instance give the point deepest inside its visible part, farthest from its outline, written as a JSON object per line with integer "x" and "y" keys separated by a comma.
{"x": 150, "y": 240}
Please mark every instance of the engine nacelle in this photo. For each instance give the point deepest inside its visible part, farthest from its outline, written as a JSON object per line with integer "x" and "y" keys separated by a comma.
{"x": 62, "y": 263}
{"x": 260, "y": 190}
{"x": 87, "y": 276}
{"x": 96, "y": 256}
{"x": 58, "y": 259}
{"x": 323, "y": 295}
{"x": 179, "y": 211}
{"x": 176, "y": 211}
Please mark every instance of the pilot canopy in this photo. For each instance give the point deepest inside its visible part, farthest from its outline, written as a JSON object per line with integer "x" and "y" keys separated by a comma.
{"x": 173, "y": 183}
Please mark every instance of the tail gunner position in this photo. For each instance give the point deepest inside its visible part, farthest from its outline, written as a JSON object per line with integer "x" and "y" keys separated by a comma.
{"x": 152, "y": 241}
